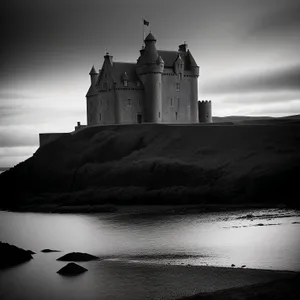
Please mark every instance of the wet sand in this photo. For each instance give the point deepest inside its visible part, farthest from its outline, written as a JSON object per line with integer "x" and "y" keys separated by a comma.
{"x": 176, "y": 282}
{"x": 279, "y": 289}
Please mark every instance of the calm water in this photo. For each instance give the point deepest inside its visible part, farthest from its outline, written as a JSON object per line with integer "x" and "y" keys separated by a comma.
{"x": 217, "y": 239}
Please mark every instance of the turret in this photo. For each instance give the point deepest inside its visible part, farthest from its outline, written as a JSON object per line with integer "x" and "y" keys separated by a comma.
{"x": 204, "y": 110}
{"x": 94, "y": 76}
{"x": 149, "y": 68}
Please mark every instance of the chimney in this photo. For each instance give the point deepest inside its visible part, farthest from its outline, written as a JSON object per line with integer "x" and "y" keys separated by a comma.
{"x": 183, "y": 47}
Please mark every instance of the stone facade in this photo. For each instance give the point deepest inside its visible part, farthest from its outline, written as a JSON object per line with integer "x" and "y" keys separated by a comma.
{"x": 162, "y": 87}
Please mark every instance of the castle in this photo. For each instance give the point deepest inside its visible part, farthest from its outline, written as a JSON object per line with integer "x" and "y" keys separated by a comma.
{"x": 162, "y": 87}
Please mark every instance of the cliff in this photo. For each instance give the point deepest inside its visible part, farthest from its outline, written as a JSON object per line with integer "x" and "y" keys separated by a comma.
{"x": 154, "y": 164}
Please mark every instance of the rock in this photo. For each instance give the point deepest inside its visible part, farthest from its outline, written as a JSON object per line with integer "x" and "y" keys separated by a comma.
{"x": 71, "y": 269}
{"x": 78, "y": 256}
{"x": 12, "y": 255}
{"x": 233, "y": 265}
{"x": 30, "y": 252}
{"x": 243, "y": 266}
{"x": 49, "y": 250}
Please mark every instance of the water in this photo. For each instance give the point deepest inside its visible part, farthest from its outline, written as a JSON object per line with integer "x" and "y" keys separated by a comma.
{"x": 127, "y": 243}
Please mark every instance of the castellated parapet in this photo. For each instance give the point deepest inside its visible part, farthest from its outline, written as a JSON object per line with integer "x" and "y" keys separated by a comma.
{"x": 204, "y": 111}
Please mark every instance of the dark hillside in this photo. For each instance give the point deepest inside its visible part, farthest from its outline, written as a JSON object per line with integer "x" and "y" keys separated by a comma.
{"x": 159, "y": 164}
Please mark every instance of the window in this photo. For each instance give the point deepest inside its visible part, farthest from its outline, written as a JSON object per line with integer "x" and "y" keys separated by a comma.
{"x": 139, "y": 118}
{"x": 180, "y": 76}
{"x": 171, "y": 102}
{"x": 159, "y": 114}
{"x": 138, "y": 83}
{"x": 176, "y": 115}
{"x": 128, "y": 102}
{"x": 177, "y": 87}
{"x": 125, "y": 83}
{"x": 99, "y": 117}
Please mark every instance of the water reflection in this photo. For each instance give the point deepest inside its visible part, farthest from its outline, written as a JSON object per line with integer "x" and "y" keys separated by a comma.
{"x": 218, "y": 239}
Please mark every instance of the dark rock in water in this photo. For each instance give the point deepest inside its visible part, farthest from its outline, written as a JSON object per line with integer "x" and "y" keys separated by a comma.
{"x": 12, "y": 255}
{"x": 78, "y": 256}
{"x": 71, "y": 269}
{"x": 49, "y": 250}
{"x": 243, "y": 266}
{"x": 30, "y": 251}
{"x": 233, "y": 265}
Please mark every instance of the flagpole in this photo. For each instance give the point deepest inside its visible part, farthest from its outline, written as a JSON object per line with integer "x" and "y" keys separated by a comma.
{"x": 143, "y": 32}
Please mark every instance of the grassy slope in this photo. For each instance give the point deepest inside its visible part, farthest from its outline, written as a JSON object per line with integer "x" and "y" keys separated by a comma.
{"x": 159, "y": 163}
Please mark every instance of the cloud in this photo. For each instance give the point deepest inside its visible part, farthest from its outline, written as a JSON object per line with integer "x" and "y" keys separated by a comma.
{"x": 12, "y": 95}
{"x": 271, "y": 104}
{"x": 261, "y": 97}
{"x": 287, "y": 78}
{"x": 18, "y": 136}
{"x": 22, "y": 151}
{"x": 280, "y": 21}
{"x": 28, "y": 114}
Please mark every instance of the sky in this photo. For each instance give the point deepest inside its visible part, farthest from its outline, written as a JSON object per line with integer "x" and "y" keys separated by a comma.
{"x": 248, "y": 52}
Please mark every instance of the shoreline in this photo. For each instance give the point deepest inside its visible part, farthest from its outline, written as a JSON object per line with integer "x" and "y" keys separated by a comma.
{"x": 189, "y": 266}
{"x": 146, "y": 210}
{"x": 192, "y": 282}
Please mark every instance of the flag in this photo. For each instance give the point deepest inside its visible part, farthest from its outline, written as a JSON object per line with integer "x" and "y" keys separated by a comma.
{"x": 146, "y": 22}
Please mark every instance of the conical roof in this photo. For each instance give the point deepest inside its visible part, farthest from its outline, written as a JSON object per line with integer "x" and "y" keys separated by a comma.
{"x": 93, "y": 71}
{"x": 191, "y": 60}
{"x": 150, "y": 37}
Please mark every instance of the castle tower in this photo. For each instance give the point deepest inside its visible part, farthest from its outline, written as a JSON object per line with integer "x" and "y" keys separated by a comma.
{"x": 149, "y": 69}
{"x": 194, "y": 68}
{"x": 204, "y": 111}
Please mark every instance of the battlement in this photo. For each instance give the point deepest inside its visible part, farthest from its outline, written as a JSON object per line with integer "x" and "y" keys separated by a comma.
{"x": 204, "y": 111}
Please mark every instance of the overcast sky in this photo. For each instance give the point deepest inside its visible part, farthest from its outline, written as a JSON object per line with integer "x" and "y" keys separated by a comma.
{"x": 247, "y": 50}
